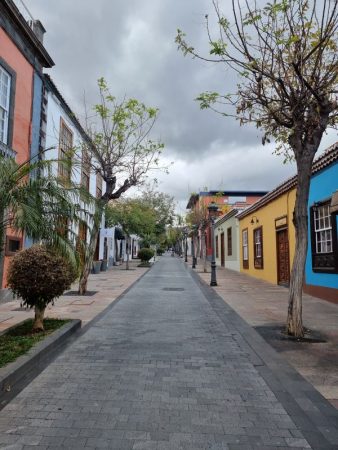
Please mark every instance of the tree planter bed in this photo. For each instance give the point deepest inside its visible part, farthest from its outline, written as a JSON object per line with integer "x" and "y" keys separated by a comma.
{"x": 17, "y": 374}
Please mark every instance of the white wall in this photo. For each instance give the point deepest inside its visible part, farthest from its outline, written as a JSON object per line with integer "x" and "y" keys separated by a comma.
{"x": 56, "y": 112}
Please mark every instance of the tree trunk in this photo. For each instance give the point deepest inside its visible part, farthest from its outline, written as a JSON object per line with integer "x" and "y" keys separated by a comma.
{"x": 94, "y": 235}
{"x": 38, "y": 318}
{"x": 294, "y": 324}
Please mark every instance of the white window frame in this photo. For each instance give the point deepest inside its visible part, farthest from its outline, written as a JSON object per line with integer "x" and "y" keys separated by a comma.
{"x": 258, "y": 242}
{"x": 5, "y": 106}
{"x": 323, "y": 229}
{"x": 245, "y": 245}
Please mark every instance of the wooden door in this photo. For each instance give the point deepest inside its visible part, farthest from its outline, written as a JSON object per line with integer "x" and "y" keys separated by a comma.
{"x": 283, "y": 259}
{"x": 222, "y": 250}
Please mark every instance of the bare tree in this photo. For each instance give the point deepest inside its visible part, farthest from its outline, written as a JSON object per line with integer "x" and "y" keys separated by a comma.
{"x": 285, "y": 55}
{"x": 121, "y": 152}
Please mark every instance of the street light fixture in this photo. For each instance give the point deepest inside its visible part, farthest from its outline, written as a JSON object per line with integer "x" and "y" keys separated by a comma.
{"x": 212, "y": 209}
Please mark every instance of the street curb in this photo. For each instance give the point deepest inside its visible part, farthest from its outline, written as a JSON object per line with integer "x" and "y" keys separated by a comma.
{"x": 15, "y": 376}
{"x": 314, "y": 416}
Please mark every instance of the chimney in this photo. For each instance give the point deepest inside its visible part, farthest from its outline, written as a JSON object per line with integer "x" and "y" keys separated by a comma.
{"x": 38, "y": 29}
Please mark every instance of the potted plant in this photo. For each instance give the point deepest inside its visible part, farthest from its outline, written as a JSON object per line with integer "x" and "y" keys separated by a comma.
{"x": 97, "y": 266}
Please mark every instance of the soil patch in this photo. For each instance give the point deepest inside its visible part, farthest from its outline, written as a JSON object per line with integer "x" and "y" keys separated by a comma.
{"x": 276, "y": 336}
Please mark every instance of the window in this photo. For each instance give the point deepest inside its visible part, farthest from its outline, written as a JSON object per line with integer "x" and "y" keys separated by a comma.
{"x": 323, "y": 239}
{"x": 258, "y": 248}
{"x": 5, "y": 91}
{"x": 216, "y": 246}
{"x": 66, "y": 145}
{"x": 245, "y": 249}
{"x": 98, "y": 185}
{"x": 13, "y": 245}
{"x": 85, "y": 172}
{"x": 229, "y": 240}
{"x": 323, "y": 229}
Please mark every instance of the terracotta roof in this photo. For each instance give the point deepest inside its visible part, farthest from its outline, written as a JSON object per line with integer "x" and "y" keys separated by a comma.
{"x": 324, "y": 160}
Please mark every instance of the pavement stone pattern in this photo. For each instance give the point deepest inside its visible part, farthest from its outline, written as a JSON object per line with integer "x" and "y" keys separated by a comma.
{"x": 167, "y": 367}
{"x": 263, "y": 304}
{"x": 108, "y": 286}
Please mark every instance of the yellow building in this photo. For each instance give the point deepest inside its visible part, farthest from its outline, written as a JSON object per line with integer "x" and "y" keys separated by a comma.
{"x": 267, "y": 235}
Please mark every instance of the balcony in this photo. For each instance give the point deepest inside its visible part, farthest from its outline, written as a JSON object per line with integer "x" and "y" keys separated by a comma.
{"x": 6, "y": 152}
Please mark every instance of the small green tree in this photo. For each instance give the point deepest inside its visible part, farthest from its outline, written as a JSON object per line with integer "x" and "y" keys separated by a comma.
{"x": 38, "y": 276}
{"x": 286, "y": 57}
{"x": 145, "y": 254}
{"x": 134, "y": 216}
{"x": 122, "y": 153}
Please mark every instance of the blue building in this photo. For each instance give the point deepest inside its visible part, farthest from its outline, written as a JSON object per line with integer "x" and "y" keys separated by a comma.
{"x": 321, "y": 270}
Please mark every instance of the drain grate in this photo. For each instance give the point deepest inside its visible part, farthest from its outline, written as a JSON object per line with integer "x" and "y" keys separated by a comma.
{"x": 173, "y": 289}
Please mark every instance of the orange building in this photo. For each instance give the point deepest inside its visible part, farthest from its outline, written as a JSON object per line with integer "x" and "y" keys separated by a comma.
{"x": 22, "y": 59}
{"x": 226, "y": 200}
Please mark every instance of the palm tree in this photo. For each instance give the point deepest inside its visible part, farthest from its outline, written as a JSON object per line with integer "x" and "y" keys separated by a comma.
{"x": 40, "y": 206}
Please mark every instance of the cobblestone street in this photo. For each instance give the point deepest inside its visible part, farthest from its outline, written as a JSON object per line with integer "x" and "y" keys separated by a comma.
{"x": 169, "y": 366}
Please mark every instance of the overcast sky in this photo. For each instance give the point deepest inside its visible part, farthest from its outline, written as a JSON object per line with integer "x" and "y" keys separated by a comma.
{"x": 131, "y": 44}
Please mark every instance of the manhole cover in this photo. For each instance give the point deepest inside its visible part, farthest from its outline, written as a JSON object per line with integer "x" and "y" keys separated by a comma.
{"x": 173, "y": 289}
{"x": 87, "y": 294}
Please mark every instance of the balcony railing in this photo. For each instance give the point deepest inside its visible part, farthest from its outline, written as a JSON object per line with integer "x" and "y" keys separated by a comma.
{"x": 6, "y": 152}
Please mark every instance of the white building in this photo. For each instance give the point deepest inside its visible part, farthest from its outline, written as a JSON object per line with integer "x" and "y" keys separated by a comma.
{"x": 62, "y": 132}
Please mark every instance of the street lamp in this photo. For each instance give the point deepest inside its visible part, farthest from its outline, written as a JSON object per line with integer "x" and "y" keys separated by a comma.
{"x": 186, "y": 244}
{"x": 212, "y": 209}
{"x": 193, "y": 246}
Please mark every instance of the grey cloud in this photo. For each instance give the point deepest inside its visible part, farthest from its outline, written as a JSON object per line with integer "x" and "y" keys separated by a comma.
{"x": 131, "y": 43}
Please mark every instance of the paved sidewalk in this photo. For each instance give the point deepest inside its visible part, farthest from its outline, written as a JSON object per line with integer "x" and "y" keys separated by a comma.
{"x": 106, "y": 287}
{"x": 264, "y": 305}
{"x": 169, "y": 367}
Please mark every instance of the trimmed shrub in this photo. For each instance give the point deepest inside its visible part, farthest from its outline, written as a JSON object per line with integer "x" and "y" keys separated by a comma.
{"x": 160, "y": 251}
{"x": 145, "y": 254}
{"x": 39, "y": 276}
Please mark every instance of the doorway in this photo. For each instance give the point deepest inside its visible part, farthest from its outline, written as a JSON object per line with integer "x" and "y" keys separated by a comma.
{"x": 283, "y": 257}
{"x": 222, "y": 250}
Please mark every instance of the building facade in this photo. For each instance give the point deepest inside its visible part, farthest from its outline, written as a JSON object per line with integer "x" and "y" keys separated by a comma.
{"x": 321, "y": 270}
{"x": 267, "y": 233}
{"x": 227, "y": 241}
{"x": 22, "y": 59}
{"x": 226, "y": 201}
{"x": 65, "y": 138}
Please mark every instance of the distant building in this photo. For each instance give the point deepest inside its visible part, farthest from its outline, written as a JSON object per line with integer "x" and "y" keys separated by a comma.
{"x": 226, "y": 201}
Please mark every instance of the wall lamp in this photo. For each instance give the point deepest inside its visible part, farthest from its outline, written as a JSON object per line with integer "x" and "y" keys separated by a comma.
{"x": 254, "y": 220}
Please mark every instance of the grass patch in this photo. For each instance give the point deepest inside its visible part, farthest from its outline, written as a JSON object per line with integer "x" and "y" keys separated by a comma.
{"x": 18, "y": 340}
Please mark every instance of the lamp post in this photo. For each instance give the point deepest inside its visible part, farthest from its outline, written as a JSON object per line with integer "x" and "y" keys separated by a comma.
{"x": 186, "y": 244}
{"x": 193, "y": 252}
{"x": 212, "y": 209}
